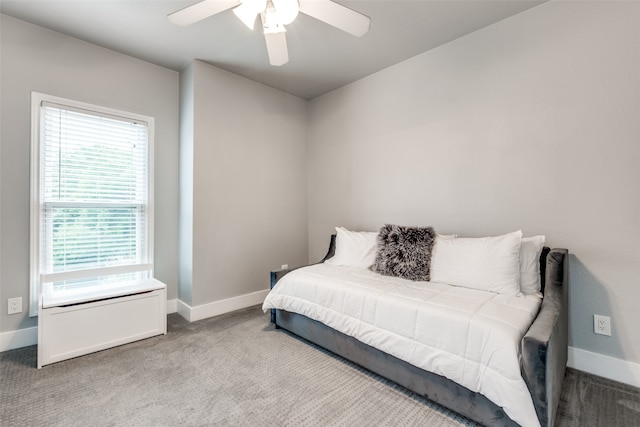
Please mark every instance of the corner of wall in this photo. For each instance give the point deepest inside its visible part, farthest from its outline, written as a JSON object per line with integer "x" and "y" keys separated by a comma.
{"x": 185, "y": 222}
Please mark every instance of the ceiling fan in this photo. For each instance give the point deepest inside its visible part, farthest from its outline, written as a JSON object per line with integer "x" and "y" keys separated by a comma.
{"x": 275, "y": 14}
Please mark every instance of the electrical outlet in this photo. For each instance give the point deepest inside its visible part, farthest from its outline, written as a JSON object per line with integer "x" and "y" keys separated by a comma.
{"x": 602, "y": 325}
{"x": 14, "y": 305}
{"x": 285, "y": 266}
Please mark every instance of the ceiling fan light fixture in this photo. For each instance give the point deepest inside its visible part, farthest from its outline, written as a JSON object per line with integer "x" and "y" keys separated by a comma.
{"x": 249, "y": 10}
{"x": 287, "y": 10}
{"x": 277, "y": 14}
{"x": 270, "y": 20}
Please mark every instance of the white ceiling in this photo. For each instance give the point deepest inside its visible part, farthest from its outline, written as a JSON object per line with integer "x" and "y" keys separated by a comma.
{"x": 322, "y": 58}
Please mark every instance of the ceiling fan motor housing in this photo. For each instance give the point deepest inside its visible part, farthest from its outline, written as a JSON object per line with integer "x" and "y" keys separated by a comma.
{"x": 275, "y": 14}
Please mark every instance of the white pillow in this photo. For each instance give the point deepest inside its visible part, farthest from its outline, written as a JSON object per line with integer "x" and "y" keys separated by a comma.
{"x": 487, "y": 263}
{"x": 530, "y": 251}
{"x": 354, "y": 248}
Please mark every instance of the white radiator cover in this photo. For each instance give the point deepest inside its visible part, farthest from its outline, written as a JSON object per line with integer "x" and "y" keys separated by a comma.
{"x": 67, "y": 331}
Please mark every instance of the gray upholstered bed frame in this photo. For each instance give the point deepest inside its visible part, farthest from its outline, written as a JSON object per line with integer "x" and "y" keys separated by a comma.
{"x": 544, "y": 352}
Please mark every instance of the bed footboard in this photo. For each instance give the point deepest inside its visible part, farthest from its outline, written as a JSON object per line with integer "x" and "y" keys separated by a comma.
{"x": 279, "y": 274}
{"x": 544, "y": 347}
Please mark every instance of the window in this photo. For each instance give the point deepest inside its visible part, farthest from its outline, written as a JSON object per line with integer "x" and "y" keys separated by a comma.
{"x": 91, "y": 213}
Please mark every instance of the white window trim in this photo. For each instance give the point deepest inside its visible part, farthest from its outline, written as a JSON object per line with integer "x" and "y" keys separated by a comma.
{"x": 35, "y": 279}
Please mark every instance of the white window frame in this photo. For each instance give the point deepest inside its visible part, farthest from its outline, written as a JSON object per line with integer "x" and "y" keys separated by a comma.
{"x": 36, "y": 276}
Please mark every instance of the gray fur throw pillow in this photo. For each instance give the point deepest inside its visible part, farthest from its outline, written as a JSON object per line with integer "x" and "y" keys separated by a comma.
{"x": 404, "y": 252}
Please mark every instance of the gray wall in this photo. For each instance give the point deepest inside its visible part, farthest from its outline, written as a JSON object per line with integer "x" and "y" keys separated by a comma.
{"x": 248, "y": 201}
{"x": 34, "y": 59}
{"x": 531, "y": 123}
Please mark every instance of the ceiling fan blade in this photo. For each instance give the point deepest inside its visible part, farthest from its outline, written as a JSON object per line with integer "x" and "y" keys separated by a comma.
{"x": 277, "y": 48}
{"x": 201, "y": 10}
{"x": 336, "y": 15}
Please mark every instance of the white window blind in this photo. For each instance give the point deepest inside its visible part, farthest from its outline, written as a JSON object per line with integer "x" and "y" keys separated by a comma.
{"x": 93, "y": 197}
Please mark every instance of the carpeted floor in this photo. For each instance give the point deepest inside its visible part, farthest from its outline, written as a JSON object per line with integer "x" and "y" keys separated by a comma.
{"x": 588, "y": 400}
{"x": 237, "y": 370}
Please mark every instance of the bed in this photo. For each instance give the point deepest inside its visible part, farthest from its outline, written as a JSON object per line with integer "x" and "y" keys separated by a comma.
{"x": 540, "y": 362}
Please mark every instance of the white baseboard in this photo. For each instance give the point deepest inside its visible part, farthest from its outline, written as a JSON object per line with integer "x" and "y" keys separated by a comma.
{"x": 20, "y": 338}
{"x": 184, "y": 310}
{"x": 217, "y": 308}
{"x": 172, "y": 306}
{"x": 604, "y": 366}
{"x": 29, "y": 336}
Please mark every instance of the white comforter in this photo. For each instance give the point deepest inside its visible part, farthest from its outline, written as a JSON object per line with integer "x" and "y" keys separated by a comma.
{"x": 469, "y": 336}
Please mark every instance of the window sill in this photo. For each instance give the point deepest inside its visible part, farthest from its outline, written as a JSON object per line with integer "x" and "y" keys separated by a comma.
{"x": 51, "y": 298}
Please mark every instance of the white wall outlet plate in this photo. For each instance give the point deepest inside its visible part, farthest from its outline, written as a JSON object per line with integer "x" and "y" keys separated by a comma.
{"x": 14, "y": 305}
{"x": 602, "y": 325}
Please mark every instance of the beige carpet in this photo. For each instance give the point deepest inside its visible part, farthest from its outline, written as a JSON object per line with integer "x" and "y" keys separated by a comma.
{"x": 237, "y": 370}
